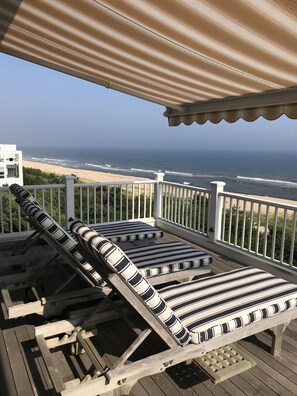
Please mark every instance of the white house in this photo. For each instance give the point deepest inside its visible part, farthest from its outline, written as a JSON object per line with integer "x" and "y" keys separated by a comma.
{"x": 11, "y": 165}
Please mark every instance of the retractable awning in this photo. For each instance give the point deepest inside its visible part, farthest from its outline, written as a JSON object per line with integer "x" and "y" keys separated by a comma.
{"x": 202, "y": 59}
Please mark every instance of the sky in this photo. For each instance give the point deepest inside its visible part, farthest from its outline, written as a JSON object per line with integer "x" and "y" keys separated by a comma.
{"x": 39, "y": 106}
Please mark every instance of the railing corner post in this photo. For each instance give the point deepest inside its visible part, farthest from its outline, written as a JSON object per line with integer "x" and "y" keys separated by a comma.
{"x": 215, "y": 210}
{"x": 159, "y": 176}
{"x": 69, "y": 199}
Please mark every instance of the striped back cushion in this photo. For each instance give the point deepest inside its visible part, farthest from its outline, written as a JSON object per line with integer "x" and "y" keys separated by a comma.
{"x": 21, "y": 194}
{"x": 118, "y": 262}
{"x": 69, "y": 245}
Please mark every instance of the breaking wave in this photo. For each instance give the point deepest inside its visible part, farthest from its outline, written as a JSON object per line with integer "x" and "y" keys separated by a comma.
{"x": 267, "y": 181}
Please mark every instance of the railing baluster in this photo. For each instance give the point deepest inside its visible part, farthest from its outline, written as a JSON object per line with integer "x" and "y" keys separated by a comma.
{"x": 151, "y": 200}
{"x": 294, "y": 218}
{"x": 114, "y": 203}
{"x": 51, "y": 201}
{"x": 164, "y": 188}
{"x": 108, "y": 204}
{"x": 127, "y": 202}
{"x": 183, "y": 207}
{"x": 179, "y": 203}
{"x": 101, "y": 204}
{"x": 19, "y": 218}
{"x": 258, "y": 229}
{"x": 59, "y": 206}
{"x": 172, "y": 203}
{"x": 95, "y": 204}
{"x": 133, "y": 196}
{"x": 121, "y": 202}
{"x": 80, "y": 204}
{"x": 283, "y": 236}
{"x": 251, "y": 226}
{"x": 144, "y": 202}
{"x": 88, "y": 205}
{"x": 230, "y": 220}
{"x": 187, "y": 207}
{"x": 191, "y": 208}
{"x": 10, "y": 213}
{"x": 195, "y": 211}
{"x": 199, "y": 213}
{"x": 169, "y": 202}
{"x": 204, "y": 214}
{"x": 266, "y": 230}
{"x": 236, "y": 222}
{"x": 243, "y": 224}
{"x": 274, "y": 233}
{"x": 138, "y": 201}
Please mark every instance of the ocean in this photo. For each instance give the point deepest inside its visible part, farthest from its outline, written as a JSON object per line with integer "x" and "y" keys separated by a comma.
{"x": 261, "y": 173}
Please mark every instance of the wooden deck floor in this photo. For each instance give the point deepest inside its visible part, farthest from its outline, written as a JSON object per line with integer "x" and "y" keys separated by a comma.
{"x": 24, "y": 373}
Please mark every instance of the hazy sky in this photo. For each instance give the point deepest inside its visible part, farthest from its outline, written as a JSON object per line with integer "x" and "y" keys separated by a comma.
{"x": 39, "y": 106}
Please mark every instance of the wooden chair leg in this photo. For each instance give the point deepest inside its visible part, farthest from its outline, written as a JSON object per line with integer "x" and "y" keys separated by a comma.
{"x": 277, "y": 338}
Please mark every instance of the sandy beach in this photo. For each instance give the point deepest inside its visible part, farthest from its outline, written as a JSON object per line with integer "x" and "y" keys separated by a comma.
{"x": 81, "y": 173}
{"x": 112, "y": 177}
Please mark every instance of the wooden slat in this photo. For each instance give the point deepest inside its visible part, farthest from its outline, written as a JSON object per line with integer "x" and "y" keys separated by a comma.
{"x": 6, "y": 376}
{"x": 21, "y": 380}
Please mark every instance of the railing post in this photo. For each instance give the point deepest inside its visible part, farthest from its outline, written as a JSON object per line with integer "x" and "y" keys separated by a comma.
{"x": 158, "y": 195}
{"x": 69, "y": 199}
{"x": 215, "y": 210}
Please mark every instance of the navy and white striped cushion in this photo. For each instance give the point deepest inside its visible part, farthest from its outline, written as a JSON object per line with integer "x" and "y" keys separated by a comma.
{"x": 165, "y": 258}
{"x": 117, "y": 261}
{"x": 216, "y": 305}
{"x": 21, "y": 194}
{"x": 128, "y": 231}
{"x": 69, "y": 245}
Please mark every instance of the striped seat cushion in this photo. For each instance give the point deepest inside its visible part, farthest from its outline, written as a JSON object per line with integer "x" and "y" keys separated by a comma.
{"x": 68, "y": 244}
{"x": 128, "y": 231}
{"x": 164, "y": 258}
{"x": 116, "y": 261}
{"x": 216, "y": 305}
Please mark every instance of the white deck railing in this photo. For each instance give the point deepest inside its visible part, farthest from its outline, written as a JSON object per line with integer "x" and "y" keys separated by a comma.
{"x": 185, "y": 206}
{"x": 260, "y": 227}
{"x": 256, "y": 227}
{"x": 109, "y": 202}
{"x": 51, "y": 197}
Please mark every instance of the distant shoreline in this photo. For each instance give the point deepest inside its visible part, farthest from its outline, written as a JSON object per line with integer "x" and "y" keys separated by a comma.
{"x": 98, "y": 176}
{"x": 89, "y": 175}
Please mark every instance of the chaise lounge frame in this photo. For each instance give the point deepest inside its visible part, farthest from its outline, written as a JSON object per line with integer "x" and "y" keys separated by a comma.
{"x": 57, "y": 302}
{"x": 119, "y": 379}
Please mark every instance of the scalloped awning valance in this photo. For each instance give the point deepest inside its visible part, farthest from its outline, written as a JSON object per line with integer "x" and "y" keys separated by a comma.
{"x": 270, "y": 105}
{"x": 203, "y": 60}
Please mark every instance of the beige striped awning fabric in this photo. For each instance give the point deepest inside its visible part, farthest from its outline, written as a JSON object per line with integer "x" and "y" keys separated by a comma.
{"x": 202, "y": 59}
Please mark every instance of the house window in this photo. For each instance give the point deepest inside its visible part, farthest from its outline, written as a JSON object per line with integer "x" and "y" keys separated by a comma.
{"x": 13, "y": 171}
{"x": 1, "y": 173}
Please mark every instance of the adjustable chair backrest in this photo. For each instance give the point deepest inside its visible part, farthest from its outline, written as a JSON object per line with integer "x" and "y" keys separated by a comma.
{"x": 21, "y": 194}
{"x": 62, "y": 242}
{"x": 104, "y": 252}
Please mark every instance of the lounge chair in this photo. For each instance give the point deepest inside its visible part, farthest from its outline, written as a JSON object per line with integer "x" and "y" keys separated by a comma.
{"x": 192, "y": 318}
{"x": 117, "y": 232}
{"x": 180, "y": 262}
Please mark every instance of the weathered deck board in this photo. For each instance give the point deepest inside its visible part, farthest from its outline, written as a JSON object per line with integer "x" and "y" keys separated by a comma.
{"x": 26, "y": 374}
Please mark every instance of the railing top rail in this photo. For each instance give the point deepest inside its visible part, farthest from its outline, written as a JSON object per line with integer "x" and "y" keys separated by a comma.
{"x": 186, "y": 186}
{"x": 115, "y": 183}
{"x": 258, "y": 200}
{"x": 44, "y": 186}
